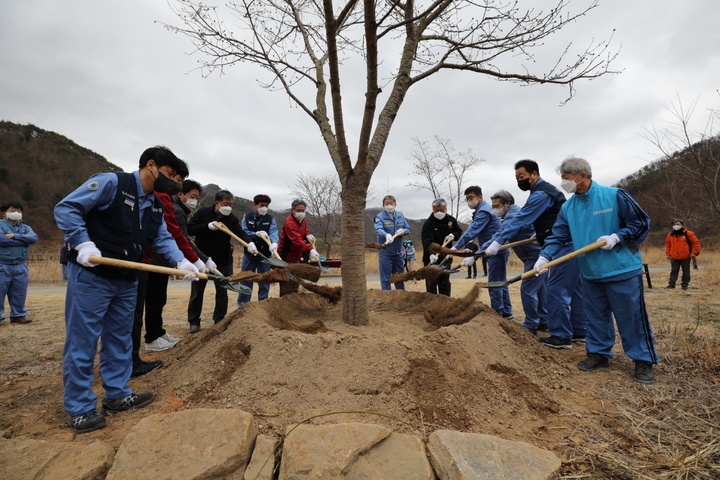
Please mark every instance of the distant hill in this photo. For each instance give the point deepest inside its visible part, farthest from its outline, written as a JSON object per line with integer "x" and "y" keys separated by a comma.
{"x": 38, "y": 168}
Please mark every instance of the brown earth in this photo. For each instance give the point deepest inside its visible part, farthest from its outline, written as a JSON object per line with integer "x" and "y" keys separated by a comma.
{"x": 293, "y": 359}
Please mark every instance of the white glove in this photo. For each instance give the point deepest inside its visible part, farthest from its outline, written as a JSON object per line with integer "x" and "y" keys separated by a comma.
{"x": 449, "y": 238}
{"x": 252, "y": 248}
{"x": 539, "y": 264}
{"x": 262, "y": 234}
{"x": 611, "y": 240}
{"x": 454, "y": 247}
{"x": 85, "y": 251}
{"x": 433, "y": 258}
{"x": 185, "y": 264}
{"x": 493, "y": 249}
{"x": 388, "y": 238}
{"x": 200, "y": 265}
{"x": 212, "y": 226}
{"x": 273, "y": 247}
{"x": 314, "y": 253}
{"x": 310, "y": 238}
{"x": 467, "y": 261}
{"x": 400, "y": 232}
{"x": 210, "y": 264}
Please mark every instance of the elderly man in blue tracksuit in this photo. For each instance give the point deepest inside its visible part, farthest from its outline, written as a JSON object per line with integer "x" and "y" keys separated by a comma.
{"x": 483, "y": 226}
{"x": 391, "y": 223}
{"x": 613, "y": 274}
{"x": 113, "y": 215}
{"x": 532, "y": 289}
{"x": 260, "y": 226}
{"x": 566, "y": 316}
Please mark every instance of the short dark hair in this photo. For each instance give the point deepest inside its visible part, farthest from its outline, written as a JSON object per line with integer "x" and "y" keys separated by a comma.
{"x": 530, "y": 166}
{"x": 261, "y": 198}
{"x": 164, "y": 156}
{"x": 474, "y": 189}
{"x": 223, "y": 195}
{"x": 11, "y": 204}
{"x": 189, "y": 185}
{"x": 297, "y": 202}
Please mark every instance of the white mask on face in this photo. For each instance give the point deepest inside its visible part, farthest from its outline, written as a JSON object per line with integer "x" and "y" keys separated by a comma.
{"x": 439, "y": 215}
{"x": 677, "y": 227}
{"x": 14, "y": 216}
{"x": 569, "y": 185}
{"x": 389, "y": 208}
{"x": 473, "y": 203}
{"x": 191, "y": 203}
{"x": 262, "y": 210}
{"x": 299, "y": 216}
{"x": 499, "y": 212}
{"x": 226, "y": 210}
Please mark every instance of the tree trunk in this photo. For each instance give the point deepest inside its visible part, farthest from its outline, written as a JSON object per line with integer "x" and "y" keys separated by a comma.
{"x": 354, "y": 291}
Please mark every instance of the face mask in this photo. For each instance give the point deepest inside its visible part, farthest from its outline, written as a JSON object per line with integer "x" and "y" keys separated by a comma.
{"x": 524, "y": 185}
{"x": 499, "y": 212}
{"x": 439, "y": 215}
{"x": 191, "y": 203}
{"x": 568, "y": 185}
{"x": 163, "y": 184}
{"x": 14, "y": 216}
{"x": 226, "y": 210}
{"x": 677, "y": 227}
{"x": 389, "y": 208}
{"x": 299, "y": 216}
{"x": 473, "y": 203}
{"x": 263, "y": 210}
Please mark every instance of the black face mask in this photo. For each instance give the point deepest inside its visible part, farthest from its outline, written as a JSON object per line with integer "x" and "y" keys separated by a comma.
{"x": 524, "y": 185}
{"x": 163, "y": 184}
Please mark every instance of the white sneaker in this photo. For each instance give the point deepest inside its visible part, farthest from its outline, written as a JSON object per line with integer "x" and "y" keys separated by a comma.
{"x": 170, "y": 338}
{"x": 158, "y": 345}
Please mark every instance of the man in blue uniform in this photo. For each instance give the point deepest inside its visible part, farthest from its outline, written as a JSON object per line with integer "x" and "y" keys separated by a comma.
{"x": 388, "y": 223}
{"x": 613, "y": 274}
{"x": 566, "y": 317}
{"x": 15, "y": 240}
{"x": 113, "y": 215}
{"x": 258, "y": 225}
{"x": 483, "y": 226}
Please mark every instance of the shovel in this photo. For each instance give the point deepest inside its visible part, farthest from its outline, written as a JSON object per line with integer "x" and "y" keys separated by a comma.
{"x": 322, "y": 269}
{"x": 442, "y": 262}
{"x": 146, "y": 267}
{"x": 272, "y": 261}
{"x": 557, "y": 261}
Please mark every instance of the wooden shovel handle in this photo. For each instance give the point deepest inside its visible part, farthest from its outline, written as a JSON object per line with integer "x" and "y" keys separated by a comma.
{"x": 445, "y": 244}
{"x": 575, "y": 253}
{"x": 505, "y": 246}
{"x": 143, "y": 267}
{"x": 222, "y": 227}
{"x": 397, "y": 234}
{"x": 274, "y": 252}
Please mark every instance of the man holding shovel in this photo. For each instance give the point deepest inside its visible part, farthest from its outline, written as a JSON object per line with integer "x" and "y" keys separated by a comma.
{"x": 612, "y": 275}
{"x": 294, "y": 244}
{"x": 442, "y": 229}
{"x": 389, "y": 225}
{"x": 260, "y": 226}
{"x": 114, "y": 215}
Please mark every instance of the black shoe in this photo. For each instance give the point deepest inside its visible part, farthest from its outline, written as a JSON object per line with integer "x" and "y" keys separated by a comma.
{"x": 20, "y": 320}
{"x": 87, "y": 422}
{"x": 592, "y": 362}
{"x": 143, "y": 368}
{"x": 131, "y": 402}
{"x": 194, "y": 328}
{"x": 468, "y": 277}
{"x": 556, "y": 342}
{"x": 578, "y": 339}
{"x": 670, "y": 286}
{"x": 684, "y": 287}
{"x": 644, "y": 372}
{"x": 543, "y": 328}
{"x": 508, "y": 317}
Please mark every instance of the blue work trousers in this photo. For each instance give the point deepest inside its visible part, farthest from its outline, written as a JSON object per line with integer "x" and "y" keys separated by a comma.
{"x": 253, "y": 263}
{"x": 497, "y": 272}
{"x": 96, "y": 308}
{"x": 566, "y": 310}
{"x": 390, "y": 263}
{"x": 625, "y": 300}
{"x": 13, "y": 285}
{"x": 532, "y": 295}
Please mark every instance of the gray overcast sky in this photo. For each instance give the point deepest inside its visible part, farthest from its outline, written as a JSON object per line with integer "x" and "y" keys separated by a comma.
{"x": 112, "y": 79}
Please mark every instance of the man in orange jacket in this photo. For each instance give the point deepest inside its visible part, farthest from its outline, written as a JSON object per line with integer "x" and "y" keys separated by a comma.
{"x": 681, "y": 245}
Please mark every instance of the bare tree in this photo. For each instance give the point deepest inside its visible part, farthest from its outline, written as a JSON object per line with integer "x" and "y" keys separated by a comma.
{"x": 307, "y": 48}
{"x": 322, "y": 195}
{"x": 444, "y": 169}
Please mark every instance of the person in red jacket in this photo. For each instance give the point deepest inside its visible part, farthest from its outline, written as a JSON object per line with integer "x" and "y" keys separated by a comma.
{"x": 681, "y": 245}
{"x": 294, "y": 243}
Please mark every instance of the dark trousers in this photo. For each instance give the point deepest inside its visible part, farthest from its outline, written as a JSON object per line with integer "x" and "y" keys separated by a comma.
{"x": 472, "y": 270}
{"x": 155, "y": 300}
{"x": 138, "y": 316}
{"x": 440, "y": 285}
{"x": 675, "y": 266}
{"x": 197, "y": 292}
